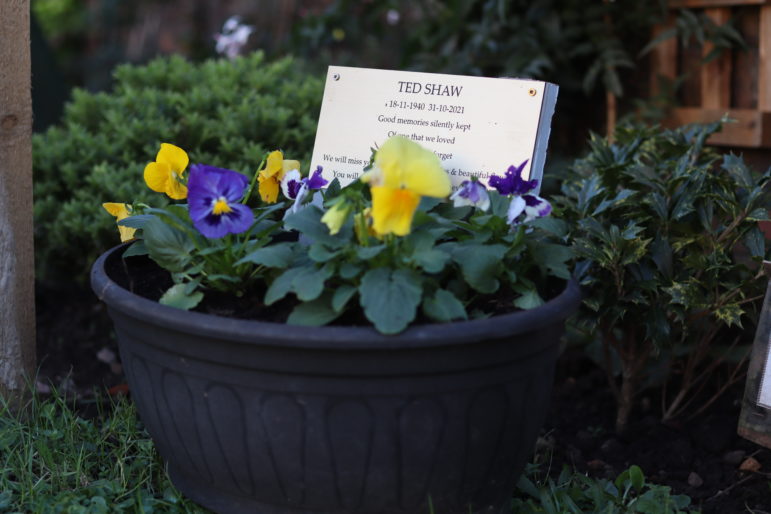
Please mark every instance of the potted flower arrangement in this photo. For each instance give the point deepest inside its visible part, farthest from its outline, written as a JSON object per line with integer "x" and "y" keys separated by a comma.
{"x": 365, "y": 349}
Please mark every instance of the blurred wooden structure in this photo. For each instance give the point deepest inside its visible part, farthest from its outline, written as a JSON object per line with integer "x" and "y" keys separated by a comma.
{"x": 17, "y": 286}
{"x": 737, "y": 83}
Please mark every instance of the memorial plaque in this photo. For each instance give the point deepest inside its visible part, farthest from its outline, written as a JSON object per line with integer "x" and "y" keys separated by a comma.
{"x": 477, "y": 126}
{"x": 755, "y": 418}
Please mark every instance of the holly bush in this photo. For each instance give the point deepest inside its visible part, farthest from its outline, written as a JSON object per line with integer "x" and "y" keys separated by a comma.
{"x": 669, "y": 245}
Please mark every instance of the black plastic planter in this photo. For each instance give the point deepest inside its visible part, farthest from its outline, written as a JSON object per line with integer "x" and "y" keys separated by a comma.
{"x": 259, "y": 417}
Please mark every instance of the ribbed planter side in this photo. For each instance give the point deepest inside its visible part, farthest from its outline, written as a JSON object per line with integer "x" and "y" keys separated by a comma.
{"x": 264, "y": 417}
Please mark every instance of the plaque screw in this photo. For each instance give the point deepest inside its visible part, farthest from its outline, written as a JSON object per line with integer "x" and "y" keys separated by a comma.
{"x": 336, "y": 76}
{"x": 532, "y": 91}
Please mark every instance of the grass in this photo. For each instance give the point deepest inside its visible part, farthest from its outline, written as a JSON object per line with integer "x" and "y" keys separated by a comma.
{"x": 52, "y": 460}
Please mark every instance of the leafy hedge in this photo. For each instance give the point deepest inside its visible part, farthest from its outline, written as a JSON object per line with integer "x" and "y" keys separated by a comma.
{"x": 224, "y": 113}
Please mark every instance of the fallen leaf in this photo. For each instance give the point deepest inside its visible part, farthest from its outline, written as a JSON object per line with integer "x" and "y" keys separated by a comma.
{"x": 596, "y": 464}
{"x": 750, "y": 464}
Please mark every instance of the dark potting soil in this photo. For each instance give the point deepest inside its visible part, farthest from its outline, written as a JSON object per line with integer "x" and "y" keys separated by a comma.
{"x": 700, "y": 457}
{"x": 77, "y": 352}
{"x": 143, "y": 277}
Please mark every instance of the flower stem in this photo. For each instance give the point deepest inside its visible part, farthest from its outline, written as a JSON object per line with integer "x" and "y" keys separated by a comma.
{"x": 254, "y": 179}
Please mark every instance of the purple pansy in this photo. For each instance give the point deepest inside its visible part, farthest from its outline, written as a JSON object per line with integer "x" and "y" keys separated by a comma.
{"x": 213, "y": 196}
{"x": 296, "y": 188}
{"x": 512, "y": 182}
{"x": 471, "y": 193}
{"x": 521, "y": 201}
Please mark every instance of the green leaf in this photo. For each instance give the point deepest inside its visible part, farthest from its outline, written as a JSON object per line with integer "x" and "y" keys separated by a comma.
{"x": 431, "y": 260}
{"x": 319, "y": 253}
{"x": 341, "y": 296}
{"x": 307, "y": 221}
{"x": 177, "y": 296}
{"x": 637, "y": 478}
{"x": 444, "y": 306}
{"x": 280, "y": 286}
{"x": 168, "y": 246}
{"x": 315, "y": 313}
{"x": 755, "y": 242}
{"x": 278, "y": 255}
{"x": 553, "y": 257}
{"x": 332, "y": 190}
{"x": 529, "y": 299}
{"x": 735, "y": 165}
{"x": 552, "y": 225}
{"x": 759, "y": 214}
{"x": 730, "y": 314}
{"x": 137, "y": 248}
{"x": 390, "y": 298}
{"x": 349, "y": 270}
{"x": 684, "y": 293}
{"x": 137, "y": 221}
{"x": 480, "y": 265}
{"x": 365, "y": 253}
{"x": 662, "y": 256}
{"x": 308, "y": 282}
{"x": 613, "y": 202}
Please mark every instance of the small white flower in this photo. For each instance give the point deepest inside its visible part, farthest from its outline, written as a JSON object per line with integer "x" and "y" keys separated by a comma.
{"x": 233, "y": 37}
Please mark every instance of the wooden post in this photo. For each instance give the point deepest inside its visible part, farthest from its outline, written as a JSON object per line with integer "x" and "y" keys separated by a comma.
{"x": 17, "y": 293}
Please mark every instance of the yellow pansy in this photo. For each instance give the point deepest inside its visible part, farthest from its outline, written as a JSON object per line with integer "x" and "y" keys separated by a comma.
{"x": 336, "y": 216}
{"x": 165, "y": 174}
{"x": 121, "y": 211}
{"x": 403, "y": 172}
{"x": 270, "y": 176}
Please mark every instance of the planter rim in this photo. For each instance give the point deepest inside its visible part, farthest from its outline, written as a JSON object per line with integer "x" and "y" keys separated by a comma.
{"x": 332, "y": 337}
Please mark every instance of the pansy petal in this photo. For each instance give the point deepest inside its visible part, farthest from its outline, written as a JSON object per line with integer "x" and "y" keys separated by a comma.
{"x": 536, "y": 207}
{"x": 516, "y": 207}
{"x": 174, "y": 156}
{"x": 471, "y": 193}
{"x": 299, "y": 197}
{"x": 290, "y": 184}
{"x": 512, "y": 182}
{"x": 176, "y": 190}
{"x": 238, "y": 220}
{"x": 316, "y": 181}
{"x": 373, "y": 177}
{"x": 288, "y": 166}
{"x": 157, "y": 176}
{"x": 406, "y": 164}
{"x": 274, "y": 164}
{"x": 336, "y": 216}
{"x": 392, "y": 210}
{"x": 119, "y": 210}
{"x": 268, "y": 188}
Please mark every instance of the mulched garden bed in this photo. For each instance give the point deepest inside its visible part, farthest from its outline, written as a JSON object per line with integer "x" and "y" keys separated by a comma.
{"x": 702, "y": 458}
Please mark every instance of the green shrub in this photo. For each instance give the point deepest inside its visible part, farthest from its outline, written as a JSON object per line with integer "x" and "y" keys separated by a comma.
{"x": 668, "y": 233}
{"x": 223, "y": 112}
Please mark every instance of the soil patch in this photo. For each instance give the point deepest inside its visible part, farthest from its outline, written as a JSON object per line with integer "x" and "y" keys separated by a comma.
{"x": 701, "y": 457}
